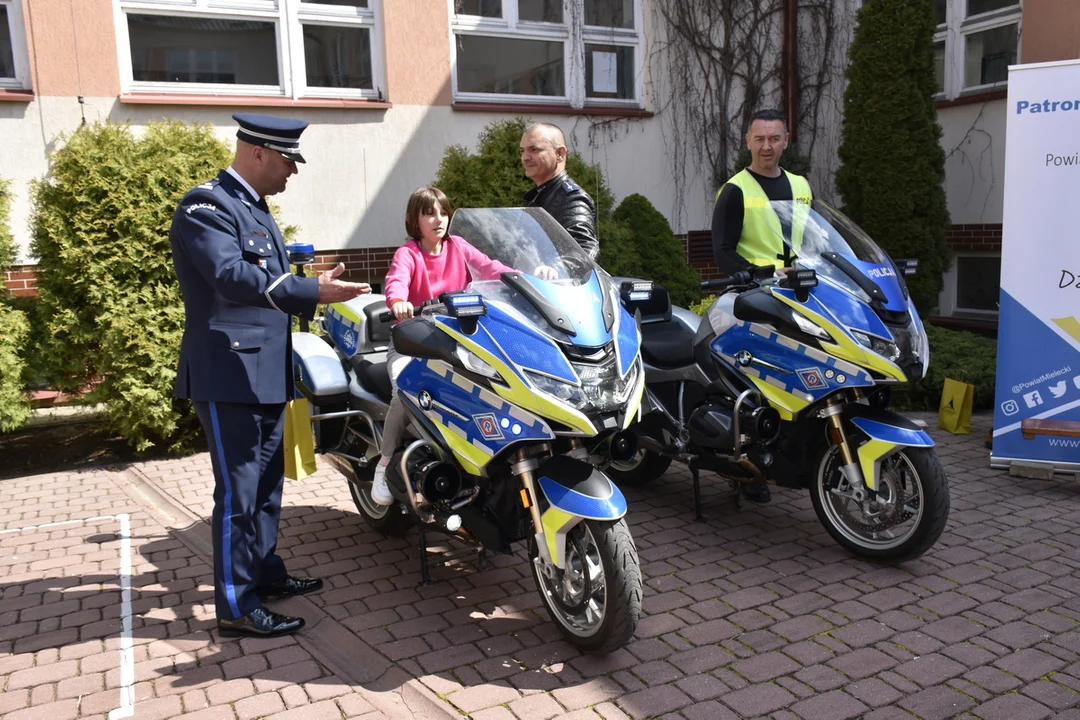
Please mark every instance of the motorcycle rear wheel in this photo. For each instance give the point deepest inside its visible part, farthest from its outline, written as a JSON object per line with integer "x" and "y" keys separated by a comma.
{"x": 596, "y": 600}
{"x": 644, "y": 467}
{"x": 390, "y": 520}
{"x": 912, "y": 488}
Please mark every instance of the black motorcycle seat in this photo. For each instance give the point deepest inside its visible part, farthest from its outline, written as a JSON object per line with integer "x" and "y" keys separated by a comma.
{"x": 373, "y": 377}
{"x": 667, "y": 344}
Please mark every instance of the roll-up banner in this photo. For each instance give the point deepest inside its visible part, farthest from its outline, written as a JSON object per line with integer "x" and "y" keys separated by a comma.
{"x": 1038, "y": 363}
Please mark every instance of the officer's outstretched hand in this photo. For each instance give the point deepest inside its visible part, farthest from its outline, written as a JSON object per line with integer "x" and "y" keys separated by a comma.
{"x": 332, "y": 290}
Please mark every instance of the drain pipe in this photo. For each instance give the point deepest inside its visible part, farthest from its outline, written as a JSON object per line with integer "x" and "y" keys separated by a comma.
{"x": 790, "y": 62}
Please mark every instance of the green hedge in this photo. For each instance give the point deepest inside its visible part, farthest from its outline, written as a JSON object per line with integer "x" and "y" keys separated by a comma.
{"x": 14, "y": 402}
{"x": 659, "y": 252}
{"x": 108, "y": 294}
{"x": 958, "y": 355}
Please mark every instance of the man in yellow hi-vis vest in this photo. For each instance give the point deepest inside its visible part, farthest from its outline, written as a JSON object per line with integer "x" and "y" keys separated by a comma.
{"x": 746, "y": 231}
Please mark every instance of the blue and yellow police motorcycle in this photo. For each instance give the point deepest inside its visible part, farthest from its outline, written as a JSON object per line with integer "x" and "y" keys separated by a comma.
{"x": 513, "y": 385}
{"x": 787, "y": 380}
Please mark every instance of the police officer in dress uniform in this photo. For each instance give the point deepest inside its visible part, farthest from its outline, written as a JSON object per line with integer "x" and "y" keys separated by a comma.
{"x": 543, "y": 155}
{"x": 236, "y": 362}
{"x": 745, "y": 226}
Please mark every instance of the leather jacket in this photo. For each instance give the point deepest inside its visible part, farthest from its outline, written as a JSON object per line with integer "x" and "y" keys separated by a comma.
{"x": 571, "y": 207}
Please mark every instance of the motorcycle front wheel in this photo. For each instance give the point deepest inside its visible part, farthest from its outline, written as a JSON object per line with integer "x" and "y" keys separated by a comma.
{"x": 390, "y": 520}
{"x": 596, "y": 599}
{"x": 902, "y": 522}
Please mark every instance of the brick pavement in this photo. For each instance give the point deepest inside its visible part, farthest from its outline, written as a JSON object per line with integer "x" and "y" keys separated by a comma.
{"x": 754, "y": 613}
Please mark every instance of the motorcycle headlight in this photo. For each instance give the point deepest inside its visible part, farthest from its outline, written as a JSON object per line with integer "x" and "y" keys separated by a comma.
{"x": 601, "y": 387}
{"x": 474, "y": 363}
{"x": 808, "y": 326}
{"x": 558, "y": 389}
{"x": 885, "y": 348}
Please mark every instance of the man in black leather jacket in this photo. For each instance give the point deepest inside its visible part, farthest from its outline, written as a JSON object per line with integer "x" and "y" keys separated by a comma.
{"x": 543, "y": 154}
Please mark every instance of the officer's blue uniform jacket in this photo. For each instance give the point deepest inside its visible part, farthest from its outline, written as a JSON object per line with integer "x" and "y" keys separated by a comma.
{"x": 235, "y": 365}
{"x": 238, "y": 295}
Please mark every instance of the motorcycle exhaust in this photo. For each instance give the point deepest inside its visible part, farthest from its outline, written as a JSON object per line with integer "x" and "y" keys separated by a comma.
{"x": 624, "y": 446}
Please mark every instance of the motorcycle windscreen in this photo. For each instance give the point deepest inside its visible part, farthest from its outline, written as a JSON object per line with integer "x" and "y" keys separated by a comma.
{"x": 557, "y": 271}
{"x": 821, "y": 237}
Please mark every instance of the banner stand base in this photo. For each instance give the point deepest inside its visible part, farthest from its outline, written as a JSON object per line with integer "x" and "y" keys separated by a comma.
{"x": 1022, "y": 467}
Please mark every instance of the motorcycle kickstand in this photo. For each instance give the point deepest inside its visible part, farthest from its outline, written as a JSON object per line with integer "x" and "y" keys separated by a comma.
{"x": 425, "y": 573}
{"x": 696, "y": 475}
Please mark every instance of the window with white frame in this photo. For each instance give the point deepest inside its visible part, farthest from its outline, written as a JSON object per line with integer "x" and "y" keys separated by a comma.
{"x": 577, "y": 52}
{"x": 14, "y": 71}
{"x": 976, "y": 42}
{"x": 291, "y": 48}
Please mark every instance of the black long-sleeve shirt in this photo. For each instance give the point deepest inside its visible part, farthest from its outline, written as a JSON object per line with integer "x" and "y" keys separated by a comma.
{"x": 727, "y": 220}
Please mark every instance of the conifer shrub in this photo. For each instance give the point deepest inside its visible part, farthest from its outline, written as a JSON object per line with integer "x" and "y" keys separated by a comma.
{"x": 660, "y": 252}
{"x": 892, "y": 169}
{"x": 14, "y": 401}
{"x": 108, "y": 293}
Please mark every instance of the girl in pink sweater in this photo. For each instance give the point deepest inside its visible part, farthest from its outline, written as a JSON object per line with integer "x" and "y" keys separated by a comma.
{"x": 428, "y": 264}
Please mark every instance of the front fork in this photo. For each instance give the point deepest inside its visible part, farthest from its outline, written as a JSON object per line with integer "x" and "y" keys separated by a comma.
{"x": 851, "y": 469}
{"x": 551, "y": 527}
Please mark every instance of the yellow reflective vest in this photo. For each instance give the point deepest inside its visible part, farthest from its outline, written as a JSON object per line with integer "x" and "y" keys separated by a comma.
{"x": 762, "y": 240}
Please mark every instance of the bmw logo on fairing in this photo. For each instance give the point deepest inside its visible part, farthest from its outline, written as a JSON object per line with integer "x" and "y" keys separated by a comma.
{"x": 424, "y": 398}
{"x": 744, "y": 358}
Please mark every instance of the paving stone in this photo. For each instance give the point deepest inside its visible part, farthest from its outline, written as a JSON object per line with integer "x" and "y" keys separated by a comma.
{"x": 1012, "y": 707}
{"x": 834, "y": 705}
{"x": 654, "y": 702}
{"x": 929, "y": 670}
{"x": 937, "y": 703}
{"x": 862, "y": 663}
{"x": 1054, "y": 696}
{"x": 1030, "y": 664}
{"x": 758, "y": 699}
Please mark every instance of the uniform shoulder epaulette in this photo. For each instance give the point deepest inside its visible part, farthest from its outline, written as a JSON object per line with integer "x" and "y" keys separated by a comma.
{"x": 569, "y": 186}
{"x": 208, "y": 185}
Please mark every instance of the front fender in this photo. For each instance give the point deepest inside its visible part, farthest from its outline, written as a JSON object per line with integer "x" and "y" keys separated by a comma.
{"x": 575, "y": 491}
{"x": 888, "y": 432}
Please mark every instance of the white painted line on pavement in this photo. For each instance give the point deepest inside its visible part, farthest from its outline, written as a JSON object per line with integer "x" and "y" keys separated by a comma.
{"x": 58, "y": 524}
{"x": 127, "y": 658}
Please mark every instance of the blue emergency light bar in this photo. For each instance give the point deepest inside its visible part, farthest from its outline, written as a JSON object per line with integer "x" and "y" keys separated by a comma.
{"x": 464, "y": 304}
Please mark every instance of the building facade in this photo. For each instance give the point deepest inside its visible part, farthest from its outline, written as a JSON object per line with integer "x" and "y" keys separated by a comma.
{"x": 387, "y": 86}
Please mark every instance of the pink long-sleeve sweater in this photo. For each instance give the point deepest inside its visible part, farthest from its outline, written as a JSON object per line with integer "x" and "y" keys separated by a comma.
{"x": 416, "y": 275}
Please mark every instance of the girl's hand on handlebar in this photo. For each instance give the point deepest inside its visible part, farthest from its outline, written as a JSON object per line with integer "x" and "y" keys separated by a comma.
{"x": 546, "y": 272}
{"x": 402, "y": 310}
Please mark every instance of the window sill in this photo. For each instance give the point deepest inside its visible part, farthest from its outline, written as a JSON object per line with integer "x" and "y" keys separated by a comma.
{"x": 539, "y": 108}
{"x": 23, "y": 96}
{"x": 974, "y": 98}
{"x": 251, "y": 101}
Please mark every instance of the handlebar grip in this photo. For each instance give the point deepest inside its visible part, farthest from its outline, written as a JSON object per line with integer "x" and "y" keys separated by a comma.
{"x": 740, "y": 278}
{"x": 385, "y": 316}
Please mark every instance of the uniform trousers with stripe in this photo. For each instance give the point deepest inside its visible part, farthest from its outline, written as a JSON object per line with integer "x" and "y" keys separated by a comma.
{"x": 249, "y": 471}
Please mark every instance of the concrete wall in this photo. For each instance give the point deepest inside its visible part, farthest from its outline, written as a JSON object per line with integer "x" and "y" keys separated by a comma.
{"x": 974, "y": 140}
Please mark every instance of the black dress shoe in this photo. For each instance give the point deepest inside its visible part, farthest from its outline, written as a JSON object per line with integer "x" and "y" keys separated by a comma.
{"x": 260, "y": 622}
{"x": 288, "y": 587}
{"x": 757, "y": 493}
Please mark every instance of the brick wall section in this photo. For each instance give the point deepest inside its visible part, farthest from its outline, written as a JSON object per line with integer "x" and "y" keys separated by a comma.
{"x": 698, "y": 247}
{"x": 21, "y": 280}
{"x": 371, "y": 264}
{"x": 974, "y": 238}
{"x": 363, "y": 265}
